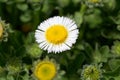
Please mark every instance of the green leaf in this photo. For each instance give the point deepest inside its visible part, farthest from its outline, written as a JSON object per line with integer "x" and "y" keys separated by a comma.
{"x": 112, "y": 73}
{"x": 3, "y": 0}
{"x": 105, "y": 53}
{"x": 110, "y": 4}
{"x": 64, "y": 78}
{"x": 63, "y": 3}
{"x": 19, "y": 1}
{"x": 78, "y": 18}
{"x": 22, "y": 7}
{"x": 91, "y": 19}
{"x": 111, "y": 34}
{"x": 29, "y": 38}
{"x": 10, "y": 77}
{"x": 101, "y": 54}
{"x": 76, "y": 1}
{"x": 117, "y": 78}
{"x": 47, "y": 7}
{"x": 25, "y": 77}
{"x": 2, "y": 78}
{"x": 34, "y": 1}
{"x": 118, "y": 27}
{"x": 26, "y": 17}
{"x": 114, "y": 64}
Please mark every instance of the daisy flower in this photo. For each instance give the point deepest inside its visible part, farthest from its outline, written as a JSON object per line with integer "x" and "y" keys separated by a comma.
{"x": 116, "y": 47}
{"x": 56, "y": 34}
{"x": 91, "y": 72}
{"x": 1, "y": 30}
{"x": 93, "y": 3}
{"x": 46, "y": 69}
{"x": 4, "y": 30}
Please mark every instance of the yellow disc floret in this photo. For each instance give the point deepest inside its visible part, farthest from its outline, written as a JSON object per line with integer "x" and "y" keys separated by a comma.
{"x": 56, "y": 34}
{"x": 1, "y": 30}
{"x": 45, "y": 70}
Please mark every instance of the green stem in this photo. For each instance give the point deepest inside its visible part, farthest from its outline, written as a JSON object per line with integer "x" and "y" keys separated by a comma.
{"x": 83, "y": 8}
{"x": 1, "y": 14}
{"x": 35, "y": 19}
{"x": 82, "y": 12}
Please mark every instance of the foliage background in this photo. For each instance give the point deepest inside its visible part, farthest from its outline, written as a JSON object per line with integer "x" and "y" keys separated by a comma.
{"x": 98, "y": 42}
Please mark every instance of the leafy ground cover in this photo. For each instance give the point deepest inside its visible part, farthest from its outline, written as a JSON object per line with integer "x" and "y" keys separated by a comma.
{"x": 94, "y": 56}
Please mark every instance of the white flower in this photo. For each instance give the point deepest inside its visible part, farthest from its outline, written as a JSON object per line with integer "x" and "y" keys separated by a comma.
{"x": 56, "y": 34}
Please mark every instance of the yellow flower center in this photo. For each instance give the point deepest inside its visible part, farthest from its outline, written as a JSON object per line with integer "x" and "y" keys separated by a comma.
{"x": 45, "y": 71}
{"x": 94, "y": 1}
{"x": 56, "y": 34}
{"x": 1, "y": 30}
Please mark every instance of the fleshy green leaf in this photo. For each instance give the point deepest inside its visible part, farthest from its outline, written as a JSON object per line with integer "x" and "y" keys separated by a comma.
{"x": 22, "y": 7}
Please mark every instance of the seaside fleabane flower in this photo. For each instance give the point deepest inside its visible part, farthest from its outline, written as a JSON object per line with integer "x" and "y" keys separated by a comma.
{"x": 93, "y": 3}
{"x": 4, "y": 30}
{"x": 56, "y": 34}
{"x": 1, "y": 30}
{"x": 91, "y": 72}
{"x": 116, "y": 48}
{"x": 45, "y": 70}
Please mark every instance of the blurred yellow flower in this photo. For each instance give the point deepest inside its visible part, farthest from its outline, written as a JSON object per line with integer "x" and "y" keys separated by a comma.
{"x": 94, "y": 1}
{"x": 45, "y": 70}
{"x": 1, "y": 30}
{"x": 4, "y": 30}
